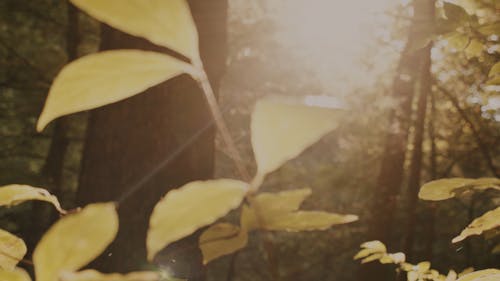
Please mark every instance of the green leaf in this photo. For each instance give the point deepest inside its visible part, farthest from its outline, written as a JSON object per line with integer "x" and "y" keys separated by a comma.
{"x": 282, "y": 128}
{"x": 489, "y": 220}
{"x": 305, "y": 221}
{"x": 12, "y": 250}
{"x": 16, "y": 274}
{"x": 107, "y": 77}
{"x": 221, "y": 239}
{"x": 482, "y": 275}
{"x": 455, "y": 12}
{"x": 166, "y": 23}
{"x": 184, "y": 210}
{"x": 93, "y": 275}
{"x": 75, "y": 240}
{"x": 443, "y": 189}
{"x": 11, "y": 195}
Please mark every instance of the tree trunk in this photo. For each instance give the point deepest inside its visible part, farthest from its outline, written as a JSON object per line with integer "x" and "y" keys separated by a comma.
{"x": 158, "y": 140}
{"x": 391, "y": 173}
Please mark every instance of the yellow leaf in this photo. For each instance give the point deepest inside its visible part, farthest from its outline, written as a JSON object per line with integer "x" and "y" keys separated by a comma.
{"x": 17, "y": 274}
{"x": 93, "y": 275}
{"x": 412, "y": 276}
{"x": 474, "y": 49}
{"x": 489, "y": 220}
{"x": 281, "y": 202}
{"x": 423, "y": 266}
{"x": 107, "y": 77}
{"x": 365, "y": 252}
{"x": 375, "y": 245}
{"x": 482, "y": 275}
{"x": 452, "y": 276}
{"x": 495, "y": 70}
{"x": 447, "y": 188}
{"x": 248, "y": 218}
{"x": 75, "y": 240}
{"x": 14, "y": 194}
{"x": 12, "y": 250}
{"x": 282, "y": 128}
{"x": 166, "y": 23}
{"x": 221, "y": 239}
{"x": 184, "y": 210}
{"x": 305, "y": 221}
{"x": 372, "y": 258}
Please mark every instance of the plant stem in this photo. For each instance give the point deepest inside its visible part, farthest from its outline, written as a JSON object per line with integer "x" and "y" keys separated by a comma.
{"x": 219, "y": 121}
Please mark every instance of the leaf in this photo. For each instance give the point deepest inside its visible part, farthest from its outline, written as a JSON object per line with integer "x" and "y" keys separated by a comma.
{"x": 190, "y": 207}
{"x": 372, "y": 258}
{"x": 75, "y": 240}
{"x": 14, "y": 194}
{"x": 12, "y": 250}
{"x": 452, "y": 276}
{"x": 107, "y": 77}
{"x": 481, "y": 275}
{"x": 166, "y": 23}
{"x": 221, "y": 239}
{"x": 494, "y": 81}
{"x": 455, "y": 12}
{"x": 374, "y": 245}
{"x": 17, "y": 274}
{"x": 457, "y": 40}
{"x": 248, "y": 218}
{"x": 443, "y": 189}
{"x": 423, "y": 266}
{"x": 490, "y": 29}
{"x": 474, "y": 49}
{"x": 282, "y": 128}
{"x": 495, "y": 70}
{"x": 281, "y": 202}
{"x": 305, "y": 221}
{"x": 485, "y": 222}
{"x": 93, "y": 275}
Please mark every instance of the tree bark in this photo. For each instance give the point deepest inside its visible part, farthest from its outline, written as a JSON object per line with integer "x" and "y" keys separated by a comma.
{"x": 157, "y": 141}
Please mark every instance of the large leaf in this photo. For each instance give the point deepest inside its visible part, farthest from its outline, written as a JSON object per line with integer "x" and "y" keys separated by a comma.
{"x": 14, "y": 194}
{"x": 281, "y": 202}
{"x": 221, "y": 239}
{"x": 482, "y": 275}
{"x": 443, "y": 189}
{"x": 75, "y": 240}
{"x": 282, "y": 128}
{"x": 306, "y": 221}
{"x": 12, "y": 250}
{"x": 184, "y": 210}
{"x": 489, "y": 220}
{"x": 107, "y": 77}
{"x": 93, "y": 275}
{"x": 16, "y": 274}
{"x": 166, "y": 23}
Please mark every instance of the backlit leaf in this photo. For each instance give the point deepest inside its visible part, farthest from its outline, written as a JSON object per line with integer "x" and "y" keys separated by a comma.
{"x": 447, "y": 188}
{"x": 282, "y": 128}
{"x": 75, "y": 240}
{"x": 375, "y": 245}
{"x": 305, "y": 221}
{"x": 221, "y": 239}
{"x": 16, "y": 274}
{"x": 93, "y": 275}
{"x": 489, "y": 220}
{"x": 107, "y": 77}
{"x": 482, "y": 275}
{"x": 184, "y": 210}
{"x": 166, "y": 23}
{"x": 371, "y": 258}
{"x": 12, "y": 250}
{"x": 11, "y": 195}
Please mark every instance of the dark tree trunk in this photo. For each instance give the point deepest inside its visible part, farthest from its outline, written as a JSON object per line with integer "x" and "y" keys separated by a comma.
{"x": 128, "y": 140}
{"x": 391, "y": 173}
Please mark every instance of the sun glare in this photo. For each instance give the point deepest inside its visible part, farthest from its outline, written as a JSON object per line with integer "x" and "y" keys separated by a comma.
{"x": 332, "y": 36}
